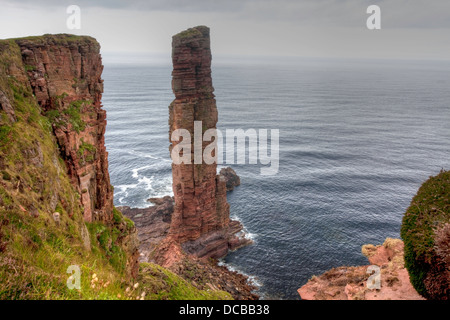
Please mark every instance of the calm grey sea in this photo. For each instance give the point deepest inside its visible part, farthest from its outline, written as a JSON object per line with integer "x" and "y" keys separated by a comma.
{"x": 357, "y": 139}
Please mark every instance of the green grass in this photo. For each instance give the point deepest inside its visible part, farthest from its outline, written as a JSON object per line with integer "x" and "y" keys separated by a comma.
{"x": 58, "y": 39}
{"x": 118, "y": 217}
{"x": 38, "y": 254}
{"x": 108, "y": 238}
{"x": 86, "y": 152}
{"x": 72, "y": 114}
{"x": 189, "y": 33}
{"x": 30, "y": 68}
{"x": 165, "y": 285}
{"x": 5, "y": 132}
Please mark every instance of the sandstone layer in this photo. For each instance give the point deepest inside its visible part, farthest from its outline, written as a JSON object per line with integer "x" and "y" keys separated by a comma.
{"x": 65, "y": 75}
{"x": 201, "y": 217}
{"x": 350, "y": 283}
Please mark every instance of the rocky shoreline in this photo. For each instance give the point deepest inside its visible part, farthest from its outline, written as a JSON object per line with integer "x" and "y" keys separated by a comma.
{"x": 152, "y": 226}
{"x": 193, "y": 261}
{"x": 351, "y": 283}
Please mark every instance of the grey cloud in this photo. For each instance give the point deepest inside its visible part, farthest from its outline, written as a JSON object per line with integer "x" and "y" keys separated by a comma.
{"x": 157, "y": 5}
{"x": 343, "y": 13}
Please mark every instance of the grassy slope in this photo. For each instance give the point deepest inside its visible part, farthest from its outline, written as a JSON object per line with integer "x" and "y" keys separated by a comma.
{"x": 35, "y": 251}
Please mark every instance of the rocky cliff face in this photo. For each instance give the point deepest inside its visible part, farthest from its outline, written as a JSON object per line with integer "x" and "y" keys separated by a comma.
{"x": 351, "y": 283}
{"x": 50, "y": 98}
{"x": 65, "y": 75}
{"x": 201, "y": 215}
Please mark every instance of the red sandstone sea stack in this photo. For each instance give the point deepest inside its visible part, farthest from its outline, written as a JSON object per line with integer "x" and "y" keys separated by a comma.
{"x": 201, "y": 218}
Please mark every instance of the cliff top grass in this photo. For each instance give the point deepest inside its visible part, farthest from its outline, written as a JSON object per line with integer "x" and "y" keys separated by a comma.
{"x": 194, "y": 32}
{"x": 54, "y": 39}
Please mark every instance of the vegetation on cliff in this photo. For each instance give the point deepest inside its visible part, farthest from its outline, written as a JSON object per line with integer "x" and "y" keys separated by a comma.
{"x": 426, "y": 234}
{"x": 42, "y": 223}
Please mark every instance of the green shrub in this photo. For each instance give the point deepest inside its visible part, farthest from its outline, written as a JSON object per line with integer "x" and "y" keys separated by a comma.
{"x": 74, "y": 113}
{"x": 70, "y": 115}
{"x": 86, "y": 152}
{"x": 117, "y": 215}
{"x": 429, "y": 210}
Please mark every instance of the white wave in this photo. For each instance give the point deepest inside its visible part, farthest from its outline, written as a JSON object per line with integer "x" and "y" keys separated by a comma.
{"x": 153, "y": 187}
{"x": 136, "y": 171}
{"x": 123, "y": 190}
{"x": 162, "y": 187}
{"x": 147, "y": 182}
{"x": 146, "y": 155}
{"x": 245, "y": 233}
{"x": 235, "y": 217}
{"x": 252, "y": 280}
{"x": 125, "y": 187}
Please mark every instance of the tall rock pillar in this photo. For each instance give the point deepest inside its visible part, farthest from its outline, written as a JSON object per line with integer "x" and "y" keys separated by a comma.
{"x": 201, "y": 207}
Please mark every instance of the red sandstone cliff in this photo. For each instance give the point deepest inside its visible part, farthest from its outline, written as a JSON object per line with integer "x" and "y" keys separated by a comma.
{"x": 65, "y": 75}
{"x": 201, "y": 218}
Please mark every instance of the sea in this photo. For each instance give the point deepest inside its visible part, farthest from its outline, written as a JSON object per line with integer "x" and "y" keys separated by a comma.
{"x": 357, "y": 138}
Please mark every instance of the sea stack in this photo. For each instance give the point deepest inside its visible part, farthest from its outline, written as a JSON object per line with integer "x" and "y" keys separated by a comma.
{"x": 201, "y": 218}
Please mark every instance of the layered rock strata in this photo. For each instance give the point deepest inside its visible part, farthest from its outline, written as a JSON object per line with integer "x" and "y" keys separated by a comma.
{"x": 65, "y": 75}
{"x": 201, "y": 218}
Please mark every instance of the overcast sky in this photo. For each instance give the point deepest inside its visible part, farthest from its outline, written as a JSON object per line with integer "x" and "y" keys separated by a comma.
{"x": 411, "y": 29}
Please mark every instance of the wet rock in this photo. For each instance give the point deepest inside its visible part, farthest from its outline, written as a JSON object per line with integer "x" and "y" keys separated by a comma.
{"x": 231, "y": 178}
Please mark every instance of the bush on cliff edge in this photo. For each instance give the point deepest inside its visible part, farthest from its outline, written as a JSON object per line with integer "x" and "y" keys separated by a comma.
{"x": 426, "y": 233}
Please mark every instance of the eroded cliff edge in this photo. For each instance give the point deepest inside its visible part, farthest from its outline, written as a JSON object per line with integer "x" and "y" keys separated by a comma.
{"x": 56, "y": 201}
